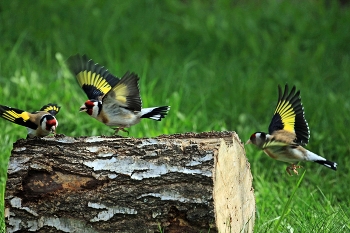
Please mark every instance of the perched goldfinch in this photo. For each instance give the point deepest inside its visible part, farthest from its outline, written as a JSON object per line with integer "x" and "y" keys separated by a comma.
{"x": 288, "y": 132}
{"x": 112, "y": 101}
{"x": 39, "y": 124}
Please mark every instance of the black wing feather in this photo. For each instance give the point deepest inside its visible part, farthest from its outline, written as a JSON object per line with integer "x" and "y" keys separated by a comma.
{"x": 127, "y": 93}
{"x": 53, "y": 109}
{"x": 289, "y": 106}
{"x": 95, "y": 84}
{"x": 17, "y": 116}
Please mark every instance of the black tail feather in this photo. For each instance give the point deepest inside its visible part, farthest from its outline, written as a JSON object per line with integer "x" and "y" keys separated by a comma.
{"x": 155, "y": 113}
{"x": 327, "y": 163}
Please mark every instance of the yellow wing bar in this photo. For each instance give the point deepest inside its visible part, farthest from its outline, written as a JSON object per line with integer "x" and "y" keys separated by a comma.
{"x": 11, "y": 115}
{"x": 53, "y": 109}
{"x": 127, "y": 92}
{"x": 17, "y": 116}
{"x": 93, "y": 79}
{"x": 289, "y": 115}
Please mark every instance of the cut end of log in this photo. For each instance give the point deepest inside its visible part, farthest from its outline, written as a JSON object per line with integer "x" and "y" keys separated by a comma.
{"x": 234, "y": 200}
{"x": 178, "y": 183}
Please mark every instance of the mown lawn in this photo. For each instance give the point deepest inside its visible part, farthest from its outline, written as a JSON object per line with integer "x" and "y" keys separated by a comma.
{"x": 217, "y": 63}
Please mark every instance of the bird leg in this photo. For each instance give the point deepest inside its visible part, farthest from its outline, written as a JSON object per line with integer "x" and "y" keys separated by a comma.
{"x": 293, "y": 168}
{"x": 120, "y": 128}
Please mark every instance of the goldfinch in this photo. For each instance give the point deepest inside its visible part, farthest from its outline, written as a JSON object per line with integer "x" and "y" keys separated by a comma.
{"x": 288, "y": 132}
{"x": 113, "y": 101}
{"x": 39, "y": 124}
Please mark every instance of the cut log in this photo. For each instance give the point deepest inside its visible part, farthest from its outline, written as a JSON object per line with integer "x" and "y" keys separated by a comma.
{"x": 175, "y": 183}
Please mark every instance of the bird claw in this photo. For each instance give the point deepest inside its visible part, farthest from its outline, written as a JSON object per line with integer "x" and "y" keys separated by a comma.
{"x": 293, "y": 168}
{"x": 120, "y": 128}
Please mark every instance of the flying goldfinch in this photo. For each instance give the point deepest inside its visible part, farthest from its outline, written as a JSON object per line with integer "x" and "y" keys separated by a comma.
{"x": 113, "y": 101}
{"x": 288, "y": 132}
{"x": 39, "y": 124}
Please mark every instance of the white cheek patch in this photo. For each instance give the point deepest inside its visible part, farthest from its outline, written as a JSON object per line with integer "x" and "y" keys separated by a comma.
{"x": 258, "y": 139}
{"x": 94, "y": 111}
{"x": 43, "y": 124}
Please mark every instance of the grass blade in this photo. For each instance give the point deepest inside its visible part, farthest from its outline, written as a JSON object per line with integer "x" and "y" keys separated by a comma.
{"x": 286, "y": 207}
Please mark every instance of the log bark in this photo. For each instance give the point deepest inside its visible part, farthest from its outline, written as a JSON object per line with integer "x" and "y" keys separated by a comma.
{"x": 176, "y": 183}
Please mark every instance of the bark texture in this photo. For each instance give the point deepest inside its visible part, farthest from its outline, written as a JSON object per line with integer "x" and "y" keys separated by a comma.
{"x": 176, "y": 183}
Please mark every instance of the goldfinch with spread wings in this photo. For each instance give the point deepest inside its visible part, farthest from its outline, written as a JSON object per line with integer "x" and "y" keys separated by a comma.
{"x": 113, "y": 101}
{"x": 39, "y": 124}
{"x": 288, "y": 132}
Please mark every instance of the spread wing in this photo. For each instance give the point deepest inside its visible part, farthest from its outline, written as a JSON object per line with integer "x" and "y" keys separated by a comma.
{"x": 93, "y": 78}
{"x": 53, "y": 109}
{"x": 17, "y": 116}
{"x": 127, "y": 93}
{"x": 289, "y": 115}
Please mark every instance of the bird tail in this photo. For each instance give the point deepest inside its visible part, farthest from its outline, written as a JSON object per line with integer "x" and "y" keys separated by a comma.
{"x": 327, "y": 163}
{"x": 318, "y": 159}
{"x": 156, "y": 113}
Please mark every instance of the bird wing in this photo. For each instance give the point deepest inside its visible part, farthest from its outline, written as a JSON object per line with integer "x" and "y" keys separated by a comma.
{"x": 53, "y": 109}
{"x": 289, "y": 115}
{"x": 93, "y": 78}
{"x": 127, "y": 93}
{"x": 17, "y": 116}
{"x": 280, "y": 144}
{"x": 274, "y": 143}
{"x": 283, "y": 151}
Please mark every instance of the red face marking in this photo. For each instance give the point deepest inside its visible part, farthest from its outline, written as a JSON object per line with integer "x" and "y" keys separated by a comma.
{"x": 89, "y": 104}
{"x": 50, "y": 123}
{"x": 89, "y": 111}
{"x": 253, "y": 136}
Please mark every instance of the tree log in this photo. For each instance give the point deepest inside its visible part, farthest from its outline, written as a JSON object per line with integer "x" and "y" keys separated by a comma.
{"x": 176, "y": 183}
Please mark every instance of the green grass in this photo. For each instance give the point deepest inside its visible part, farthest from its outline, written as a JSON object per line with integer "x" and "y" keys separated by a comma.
{"x": 287, "y": 205}
{"x": 217, "y": 63}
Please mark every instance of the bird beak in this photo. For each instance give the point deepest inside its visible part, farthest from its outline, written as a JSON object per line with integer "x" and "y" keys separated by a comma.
{"x": 248, "y": 142}
{"x": 83, "y": 108}
{"x": 53, "y": 130}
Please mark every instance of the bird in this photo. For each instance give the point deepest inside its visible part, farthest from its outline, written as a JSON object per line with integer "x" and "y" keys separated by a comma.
{"x": 288, "y": 133}
{"x": 39, "y": 124}
{"x": 114, "y": 101}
